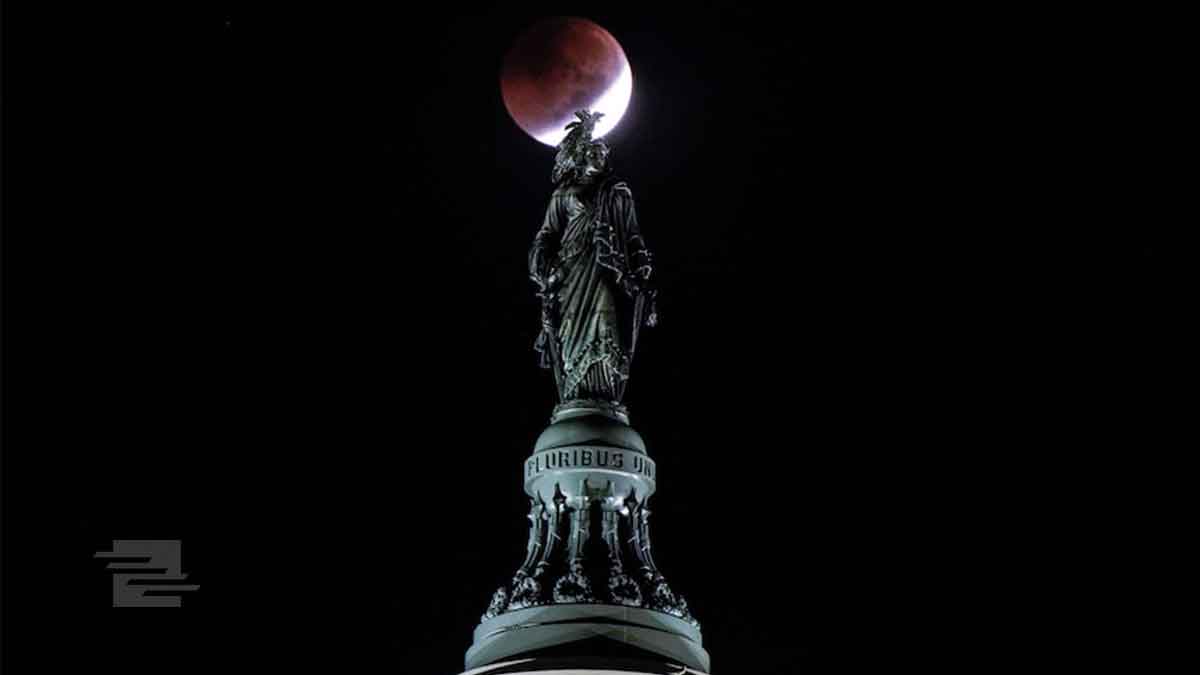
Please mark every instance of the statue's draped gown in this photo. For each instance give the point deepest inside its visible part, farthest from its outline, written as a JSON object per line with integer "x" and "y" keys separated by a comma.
{"x": 592, "y": 234}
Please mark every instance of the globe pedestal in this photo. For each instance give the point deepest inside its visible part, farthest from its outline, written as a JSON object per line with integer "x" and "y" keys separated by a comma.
{"x": 588, "y": 575}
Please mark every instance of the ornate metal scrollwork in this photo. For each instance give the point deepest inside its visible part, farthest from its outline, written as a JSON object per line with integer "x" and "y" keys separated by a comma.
{"x": 498, "y": 604}
{"x": 575, "y": 585}
{"x": 621, "y": 587}
{"x": 557, "y": 571}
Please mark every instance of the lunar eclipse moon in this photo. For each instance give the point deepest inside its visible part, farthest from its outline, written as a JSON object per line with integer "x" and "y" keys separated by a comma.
{"x": 561, "y": 65}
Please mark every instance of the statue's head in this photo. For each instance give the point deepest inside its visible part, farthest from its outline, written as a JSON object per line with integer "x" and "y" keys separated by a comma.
{"x": 595, "y": 159}
{"x": 580, "y": 158}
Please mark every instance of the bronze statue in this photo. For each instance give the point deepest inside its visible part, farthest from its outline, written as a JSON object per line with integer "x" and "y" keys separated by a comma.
{"x": 592, "y": 269}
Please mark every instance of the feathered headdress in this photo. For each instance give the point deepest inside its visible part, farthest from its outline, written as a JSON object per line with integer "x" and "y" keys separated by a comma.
{"x": 575, "y": 144}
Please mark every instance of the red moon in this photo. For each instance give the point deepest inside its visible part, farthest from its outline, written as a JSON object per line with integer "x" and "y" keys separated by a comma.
{"x": 560, "y": 65}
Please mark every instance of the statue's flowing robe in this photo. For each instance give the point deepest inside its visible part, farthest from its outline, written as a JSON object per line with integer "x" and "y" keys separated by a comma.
{"x": 594, "y": 241}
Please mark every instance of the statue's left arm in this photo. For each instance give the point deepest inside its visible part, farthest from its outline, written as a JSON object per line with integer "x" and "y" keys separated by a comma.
{"x": 639, "y": 262}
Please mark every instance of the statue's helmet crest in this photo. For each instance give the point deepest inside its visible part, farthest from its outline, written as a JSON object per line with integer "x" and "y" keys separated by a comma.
{"x": 572, "y": 151}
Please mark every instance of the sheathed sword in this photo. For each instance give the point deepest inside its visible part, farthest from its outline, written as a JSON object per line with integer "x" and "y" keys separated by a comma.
{"x": 549, "y": 304}
{"x": 639, "y": 315}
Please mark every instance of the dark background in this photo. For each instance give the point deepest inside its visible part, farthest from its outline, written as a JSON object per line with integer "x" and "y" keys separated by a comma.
{"x": 266, "y": 294}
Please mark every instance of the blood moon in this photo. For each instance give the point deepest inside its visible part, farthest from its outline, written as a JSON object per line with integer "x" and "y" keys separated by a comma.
{"x": 561, "y": 65}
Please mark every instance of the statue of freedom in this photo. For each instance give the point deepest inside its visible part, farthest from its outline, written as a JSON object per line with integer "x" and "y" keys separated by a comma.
{"x": 593, "y": 273}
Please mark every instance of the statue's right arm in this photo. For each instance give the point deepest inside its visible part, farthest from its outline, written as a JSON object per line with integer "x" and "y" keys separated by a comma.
{"x": 545, "y": 243}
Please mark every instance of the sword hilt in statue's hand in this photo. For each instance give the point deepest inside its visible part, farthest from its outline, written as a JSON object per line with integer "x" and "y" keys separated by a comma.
{"x": 554, "y": 280}
{"x": 648, "y": 307}
{"x": 549, "y": 299}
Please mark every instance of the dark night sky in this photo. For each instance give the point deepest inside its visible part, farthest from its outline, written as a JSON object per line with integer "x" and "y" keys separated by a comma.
{"x": 268, "y": 296}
